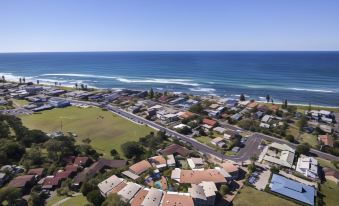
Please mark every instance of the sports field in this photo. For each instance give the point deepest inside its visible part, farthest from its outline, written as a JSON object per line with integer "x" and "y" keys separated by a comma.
{"x": 105, "y": 129}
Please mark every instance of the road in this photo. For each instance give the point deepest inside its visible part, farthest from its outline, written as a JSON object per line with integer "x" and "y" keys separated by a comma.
{"x": 250, "y": 147}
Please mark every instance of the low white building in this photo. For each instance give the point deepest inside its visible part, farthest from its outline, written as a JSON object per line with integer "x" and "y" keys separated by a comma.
{"x": 308, "y": 166}
{"x": 109, "y": 184}
{"x": 128, "y": 192}
{"x": 170, "y": 161}
{"x": 279, "y": 154}
{"x": 195, "y": 163}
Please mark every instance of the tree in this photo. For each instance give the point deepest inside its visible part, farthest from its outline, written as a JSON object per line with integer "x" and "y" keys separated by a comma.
{"x": 196, "y": 108}
{"x": 274, "y": 170}
{"x": 36, "y": 199}
{"x": 114, "y": 200}
{"x": 303, "y": 149}
{"x": 224, "y": 189}
{"x": 24, "y": 80}
{"x": 76, "y": 85}
{"x": 132, "y": 149}
{"x": 309, "y": 107}
{"x": 9, "y": 194}
{"x": 302, "y": 123}
{"x": 95, "y": 197}
{"x": 151, "y": 93}
{"x": 37, "y": 81}
{"x": 20, "y": 80}
{"x": 285, "y": 104}
{"x": 268, "y": 98}
{"x": 3, "y": 79}
{"x": 114, "y": 152}
{"x": 290, "y": 138}
{"x": 242, "y": 97}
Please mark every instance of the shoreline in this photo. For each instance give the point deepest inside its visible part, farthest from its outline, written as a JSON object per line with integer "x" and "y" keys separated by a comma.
{"x": 258, "y": 99}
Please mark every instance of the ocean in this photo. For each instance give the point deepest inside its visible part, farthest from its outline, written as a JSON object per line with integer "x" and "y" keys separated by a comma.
{"x": 299, "y": 77}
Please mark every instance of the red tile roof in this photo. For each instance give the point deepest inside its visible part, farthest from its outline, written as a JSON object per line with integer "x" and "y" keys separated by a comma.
{"x": 175, "y": 149}
{"x": 63, "y": 174}
{"x": 72, "y": 168}
{"x": 36, "y": 171}
{"x": 140, "y": 167}
{"x": 20, "y": 181}
{"x": 81, "y": 161}
{"x": 210, "y": 122}
{"x": 51, "y": 181}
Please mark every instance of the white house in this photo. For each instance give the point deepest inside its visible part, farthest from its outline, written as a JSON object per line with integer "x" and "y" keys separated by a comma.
{"x": 308, "y": 166}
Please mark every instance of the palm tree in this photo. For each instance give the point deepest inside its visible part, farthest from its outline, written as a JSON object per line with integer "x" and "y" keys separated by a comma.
{"x": 24, "y": 80}
{"x": 76, "y": 85}
{"x": 37, "y": 81}
{"x": 3, "y": 78}
{"x": 55, "y": 83}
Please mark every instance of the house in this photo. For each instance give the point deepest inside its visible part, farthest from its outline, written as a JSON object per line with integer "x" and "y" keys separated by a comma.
{"x": 326, "y": 140}
{"x": 195, "y": 163}
{"x": 158, "y": 161}
{"x": 109, "y": 184}
{"x": 264, "y": 125}
{"x": 181, "y": 126}
{"x": 218, "y": 141}
{"x": 51, "y": 183}
{"x": 170, "y": 161}
{"x": 219, "y": 130}
{"x": 263, "y": 108}
{"x": 214, "y": 106}
{"x": 326, "y": 128}
{"x": 81, "y": 161}
{"x": 198, "y": 176}
{"x": 38, "y": 172}
{"x": 175, "y": 149}
{"x": 33, "y": 89}
{"x": 259, "y": 114}
{"x": 153, "y": 197}
{"x": 266, "y": 118}
{"x": 139, "y": 197}
{"x": 59, "y": 103}
{"x": 332, "y": 175}
{"x": 177, "y": 199}
{"x": 204, "y": 193}
{"x": 308, "y": 166}
{"x": 178, "y": 100}
{"x": 23, "y": 182}
{"x": 63, "y": 175}
{"x": 140, "y": 167}
{"x": 231, "y": 103}
{"x": 168, "y": 118}
{"x": 95, "y": 168}
{"x": 128, "y": 192}
{"x": 187, "y": 115}
{"x": 164, "y": 99}
{"x": 292, "y": 189}
{"x": 252, "y": 105}
{"x": 72, "y": 168}
{"x": 236, "y": 117}
{"x": 278, "y": 154}
{"x": 275, "y": 108}
{"x": 230, "y": 134}
{"x": 231, "y": 168}
{"x": 210, "y": 122}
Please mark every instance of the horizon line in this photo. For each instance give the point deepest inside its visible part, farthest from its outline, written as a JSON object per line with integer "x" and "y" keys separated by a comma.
{"x": 104, "y": 51}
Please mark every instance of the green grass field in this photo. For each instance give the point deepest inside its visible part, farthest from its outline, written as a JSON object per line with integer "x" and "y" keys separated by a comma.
{"x": 79, "y": 200}
{"x": 330, "y": 191}
{"x": 249, "y": 196}
{"x": 105, "y": 129}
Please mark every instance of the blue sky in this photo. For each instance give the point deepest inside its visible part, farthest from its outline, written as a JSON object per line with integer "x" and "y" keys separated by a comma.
{"x": 137, "y": 25}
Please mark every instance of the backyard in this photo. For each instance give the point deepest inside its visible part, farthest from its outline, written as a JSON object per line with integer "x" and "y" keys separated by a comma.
{"x": 248, "y": 196}
{"x": 105, "y": 129}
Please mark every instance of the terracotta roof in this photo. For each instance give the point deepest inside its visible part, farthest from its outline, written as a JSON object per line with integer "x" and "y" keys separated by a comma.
{"x": 81, "y": 161}
{"x": 326, "y": 139}
{"x": 252, "y": 105}
{"x": 139, "y": 198}
{"x": 51, "y": 181}
{"x": 119, "y": 187}
{"x": 96, "y": 168}
{"x": 175, "y": 149}
{"x": 63, "y": 174}
{"x": 20, "y": 181}
{"x": 164, "y": 98}
{"x": 177, "y": 200}
{"x": 140, "y": 167}
{"x": 187, "y": 115}
{"x": 36, "y": 171}
{"x": 198, "y": 176}
{"x": 230, "y": 167}
{"x": 331, "y": 172}
{"x": 158, "y": 160}
{"x": 210, "y": 122}
{"x": 275, "y": 107}
{"x": 72, "y": 168}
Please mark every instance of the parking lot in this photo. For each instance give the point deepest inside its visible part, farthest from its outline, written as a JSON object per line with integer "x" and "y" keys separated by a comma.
{"x": 260, "y": 178}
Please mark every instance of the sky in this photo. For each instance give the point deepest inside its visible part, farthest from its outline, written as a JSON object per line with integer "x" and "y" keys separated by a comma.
{"x": 168, "y": 25}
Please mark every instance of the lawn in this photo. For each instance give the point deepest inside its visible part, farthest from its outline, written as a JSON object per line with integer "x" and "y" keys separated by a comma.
{"x": 310, "y": 139}
{"x": 78, "y": 200}
{"x": 326, "y": 163}
{"x": 249, "y": 196}
{"x": 105, "y": 129}
{"x": 330, "y": 191}
{"x": 20, "y": 102}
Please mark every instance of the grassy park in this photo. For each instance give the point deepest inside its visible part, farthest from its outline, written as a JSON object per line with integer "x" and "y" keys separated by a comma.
{"x": 248, "y": 196}
{"x": 78, "y": 200}
{"x": 330, "y": 191}
{"x": 105, "y": 129}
